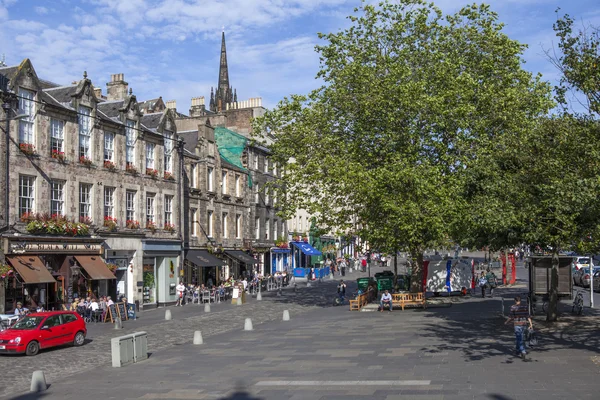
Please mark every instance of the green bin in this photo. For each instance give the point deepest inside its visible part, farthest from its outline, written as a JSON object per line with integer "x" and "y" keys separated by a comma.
{"x": 385, "y": 283}
{"x": 363, "y": 283}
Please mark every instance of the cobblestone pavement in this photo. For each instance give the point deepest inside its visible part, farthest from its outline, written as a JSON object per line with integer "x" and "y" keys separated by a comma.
{"x": 62, "y": 362}
{"x": 459, "y": 352}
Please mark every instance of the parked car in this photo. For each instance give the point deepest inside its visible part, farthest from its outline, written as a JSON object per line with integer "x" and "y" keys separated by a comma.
{"x": 597, "y": 281}
{"x": 582, "y": 276}
{"x": 581, "y": 262}
{"x": 43, "y": 330}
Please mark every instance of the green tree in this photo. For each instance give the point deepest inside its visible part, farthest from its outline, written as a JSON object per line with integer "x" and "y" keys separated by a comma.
{"x": 411, "y": 99}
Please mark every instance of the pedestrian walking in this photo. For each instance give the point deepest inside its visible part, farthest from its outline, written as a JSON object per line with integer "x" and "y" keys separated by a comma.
{"x": 482, "y": 284}
{"x": 492, "y": 281}
{"x": 519, "y": 315}
{"x": 180, "y": 289}
{"x": 343, "y": 267}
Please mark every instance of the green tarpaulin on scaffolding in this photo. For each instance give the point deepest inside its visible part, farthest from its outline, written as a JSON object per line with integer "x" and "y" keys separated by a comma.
{"x": 231, "y": 145}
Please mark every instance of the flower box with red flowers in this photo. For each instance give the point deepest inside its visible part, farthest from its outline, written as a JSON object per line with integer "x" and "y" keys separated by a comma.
{"x": 85, "y": 220}
{"x": 27, "y": 148}
{"x": 169, "y": 227}
{"x": 152, "y": 172}
{"x": 169, "y": 176}
{"x": 85, "y": 161}
{"x": 131, "y": 169}
{"x": 58, "y": 155}
{"x": 109, "y": 165}
{"x": 110, "y": 223}
{"x": 5, "y": 271}
{"x": 131, "y": 224}
{"x": 151, "y": 226}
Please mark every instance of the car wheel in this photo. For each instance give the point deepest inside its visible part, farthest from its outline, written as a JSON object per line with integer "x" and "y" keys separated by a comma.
{"x": 32, "y": 348}
{"x": 79, "y": 339}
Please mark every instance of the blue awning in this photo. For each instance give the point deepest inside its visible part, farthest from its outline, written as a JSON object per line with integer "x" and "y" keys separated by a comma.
{"x": 306, "y": 248}
{"x": 280, "y": 250}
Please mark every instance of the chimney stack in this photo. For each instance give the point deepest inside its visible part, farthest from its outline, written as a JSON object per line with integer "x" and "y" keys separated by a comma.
{"x": 98, "y": 92}
{"x": 171, "y": 104}
{"x": 116, "y": 89}
{"x": 198, "y": 107}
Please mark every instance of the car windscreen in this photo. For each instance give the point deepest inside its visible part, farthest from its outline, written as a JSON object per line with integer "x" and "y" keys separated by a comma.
{"x": 28, "y": 323}
{"x": 583, "y": 261}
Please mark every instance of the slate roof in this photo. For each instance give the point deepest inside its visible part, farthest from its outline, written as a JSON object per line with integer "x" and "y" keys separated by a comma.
{"x": 151, "y": 121}
{"x": 62, "y": 94}
{"x": 9, "y": 72}
{"x": 111, "y": 108}
{"x": 190, "y": 139}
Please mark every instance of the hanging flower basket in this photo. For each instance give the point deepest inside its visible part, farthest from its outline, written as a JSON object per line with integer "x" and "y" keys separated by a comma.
{"x": 112, "y": 267}
{"x": 5, "y": 271}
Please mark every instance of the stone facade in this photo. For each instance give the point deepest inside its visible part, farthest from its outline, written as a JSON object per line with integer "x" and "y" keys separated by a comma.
{"x": 71, "y": 160}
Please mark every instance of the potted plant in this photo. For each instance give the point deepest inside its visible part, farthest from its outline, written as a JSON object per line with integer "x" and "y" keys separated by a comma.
{"x": 112, "y": 267}
{"x": 169, "y": 176}
{"x": 85, "y": 161}
{"x": 109, "y": 165}
{"x": 152, "y": 172}
{"x": 132, "y": 224}
{"x": 58, "y": 155}
{"x": 5, "y": 271}
{"x": 151, "y": 226}
{"x": 27, "y": 148}
{"x": 85, "y": 220}
{"x": 110, "y": 223}
{"x": 54, "y": 225}
{"x": 131, "y": 169}
{"x": 169, "y": 227}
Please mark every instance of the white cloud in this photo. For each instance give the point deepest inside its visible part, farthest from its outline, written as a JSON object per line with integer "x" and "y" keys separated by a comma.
{"x": 40, "y": 10}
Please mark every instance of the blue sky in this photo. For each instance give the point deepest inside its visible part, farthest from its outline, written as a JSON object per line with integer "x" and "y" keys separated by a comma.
{"x": 171, "y": 47}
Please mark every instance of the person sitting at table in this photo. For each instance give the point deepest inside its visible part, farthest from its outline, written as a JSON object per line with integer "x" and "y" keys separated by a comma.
{"x": 109, "y": 301}
{"x": 20, "y": 311}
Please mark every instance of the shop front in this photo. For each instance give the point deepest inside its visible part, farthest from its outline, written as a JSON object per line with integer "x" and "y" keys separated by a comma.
{"x": 280, "y": 259}
{"x": 45, "y": 272}
{"x": 301, "y": 258}
{"x": 201, "y": 267}
{"x": 160, "y": 272}
{"x": 122, "y": 261}
{"x": 241, "y": 264}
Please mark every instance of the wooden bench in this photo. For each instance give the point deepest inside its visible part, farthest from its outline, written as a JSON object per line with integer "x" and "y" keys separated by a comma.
{"x": 403, "y": 299}
{"x": 359, "y": 302}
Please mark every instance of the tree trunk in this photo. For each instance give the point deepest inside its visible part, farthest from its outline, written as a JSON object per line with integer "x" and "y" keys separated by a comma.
{"x": 552, "y": 314}
{"x": 2, "y": 296}
{"x": 416, "y": 276}
{"x": 395, "y": 268}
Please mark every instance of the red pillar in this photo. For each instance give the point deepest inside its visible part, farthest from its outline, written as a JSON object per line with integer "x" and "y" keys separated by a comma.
{"x": 503, "y": 257}
{"x": 513, "y": 269}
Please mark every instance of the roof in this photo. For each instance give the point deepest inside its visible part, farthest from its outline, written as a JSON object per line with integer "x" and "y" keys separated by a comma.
{"x": 190, "y": 139}
{"x": 151, "y": 121}
{"x": 9, "y": 72}
{"x": 62, "y": 94}
{"x": 111, "y": 108}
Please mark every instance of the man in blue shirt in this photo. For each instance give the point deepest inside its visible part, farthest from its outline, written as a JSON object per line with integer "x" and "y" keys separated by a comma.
{"x": 386, "y": 299}
{"x": 20, "y": 311}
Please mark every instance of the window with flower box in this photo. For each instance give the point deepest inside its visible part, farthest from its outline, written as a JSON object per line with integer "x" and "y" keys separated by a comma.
{"x": 85, "y": 201}
{"x": 109, "y": 202}
{"x": 109, "y": 147}
{"x": 85, "y": 133}
{"x": 130, "y": 206}
{"x": 150, "y": 156}
{"x": 57, "y": 139}
{"x": 57, "y": 198}
{"x": 168, "y": 210}
{"x": 26, "y": 194}
{"x": 168, "y": 143}
{"x": 27, "y": 124}
{"x": 130, "y": 142}
{"x": 150, "y": 211}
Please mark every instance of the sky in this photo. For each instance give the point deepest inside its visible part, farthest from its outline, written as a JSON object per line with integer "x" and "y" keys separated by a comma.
{"x": 171, "y": 48}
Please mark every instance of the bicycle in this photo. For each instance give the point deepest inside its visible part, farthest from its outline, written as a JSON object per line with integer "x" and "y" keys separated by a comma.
{"x": 577, "y": 304}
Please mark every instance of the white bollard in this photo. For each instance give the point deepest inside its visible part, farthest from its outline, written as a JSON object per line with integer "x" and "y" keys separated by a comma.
{"x": 238, "y": 301}
{"x": 286, "y": 315}
{"x": 248, "y": 324}
{"x": 307, "y": 283}
{"x": 330, "y": 276}
{"x": 198, "y": 337}
{"x": 259, "y": 296}
{"x": 118, "y": 324}
{"x": 38, "y": 382}
{"x": 207, "y": 307}
{"x": 168, "y": 315}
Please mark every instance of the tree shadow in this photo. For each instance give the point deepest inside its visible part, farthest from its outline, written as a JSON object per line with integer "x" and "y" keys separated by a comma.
{"x": 478, "y": 330}
{"x": 320, "y": 294}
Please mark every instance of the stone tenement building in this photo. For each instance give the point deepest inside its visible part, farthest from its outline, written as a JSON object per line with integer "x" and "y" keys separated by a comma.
{"x": 92, "y": 193}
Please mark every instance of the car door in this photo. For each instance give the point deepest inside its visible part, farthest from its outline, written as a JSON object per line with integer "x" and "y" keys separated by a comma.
{"x": 69, "y": 328}
{"x": 50, "y": 332}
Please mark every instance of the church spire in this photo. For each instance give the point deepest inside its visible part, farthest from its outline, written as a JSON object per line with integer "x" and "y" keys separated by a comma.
{"x": 223, "y": 92}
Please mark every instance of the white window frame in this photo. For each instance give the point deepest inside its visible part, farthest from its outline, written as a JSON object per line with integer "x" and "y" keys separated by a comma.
{"x": 237, "y": 186}
{"x": 150, "y": 208}
{"x": 224, "y": 182}
{"x": 130, "y": 214}
{"x": 257, "y": 194}
{"x": 57, "y": 136}
{"x": 57, "y": 198}
{"x": 238, "y": 226}
{"x": 109, "y": 201}
{"x": 27, "y": 124}
{"x": 257, "y": 228}
{"x": 267, "y": 196}
{"x": 256, "y": 161}
{"x": 85, "y": 132}
{"x": 130, "y": 138}
{"x": 210, "y": 223}
{"x": 26, "y": 194}
{"x": 266, "y": 165}
{"x": 85, "y": 200}
{"x": 225, "y": 225}
{"x": 109, "y": 146}
{"x": 194, "y": 219}
{"x": 168, "y": 143}
{"x": 267, "y": 229}
{"x": 150, "y": 149}
{"x": 168, "y": 207}
{"x": 210, "y": 172}
{"x": 193, "y": 176}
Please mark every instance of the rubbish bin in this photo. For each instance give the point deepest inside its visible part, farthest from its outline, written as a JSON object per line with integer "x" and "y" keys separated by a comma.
{"x": 385, "y": 283}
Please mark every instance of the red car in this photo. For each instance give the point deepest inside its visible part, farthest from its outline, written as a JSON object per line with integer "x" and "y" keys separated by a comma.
{"x": 43, "y": 330}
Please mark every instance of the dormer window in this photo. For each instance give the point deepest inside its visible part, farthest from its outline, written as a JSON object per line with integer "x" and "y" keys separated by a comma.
{"x": 26, "y": 125}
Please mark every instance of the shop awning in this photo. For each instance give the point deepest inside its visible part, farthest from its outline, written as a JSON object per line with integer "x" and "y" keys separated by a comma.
{"x": 31, "y": 269}
{"x": 241, "y": 256}
{"x": 95, "y": 267}
{"x": 279, "y": 250}
{"x": 306, "y": 248}
{"x": 203, "y": 258}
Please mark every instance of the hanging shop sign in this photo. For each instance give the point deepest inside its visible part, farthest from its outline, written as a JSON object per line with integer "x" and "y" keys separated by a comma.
{"x": 54, "y": 247}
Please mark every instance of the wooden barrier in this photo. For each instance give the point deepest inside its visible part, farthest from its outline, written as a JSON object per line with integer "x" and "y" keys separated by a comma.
{"x": 358, "y": 303}
{"x": 403, "y": 299}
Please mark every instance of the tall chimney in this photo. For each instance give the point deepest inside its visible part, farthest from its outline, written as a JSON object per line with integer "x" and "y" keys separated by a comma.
{"x": 98, "y": 92}
{"x": 116, "y": 89}
{"x": 172, "y": 104}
